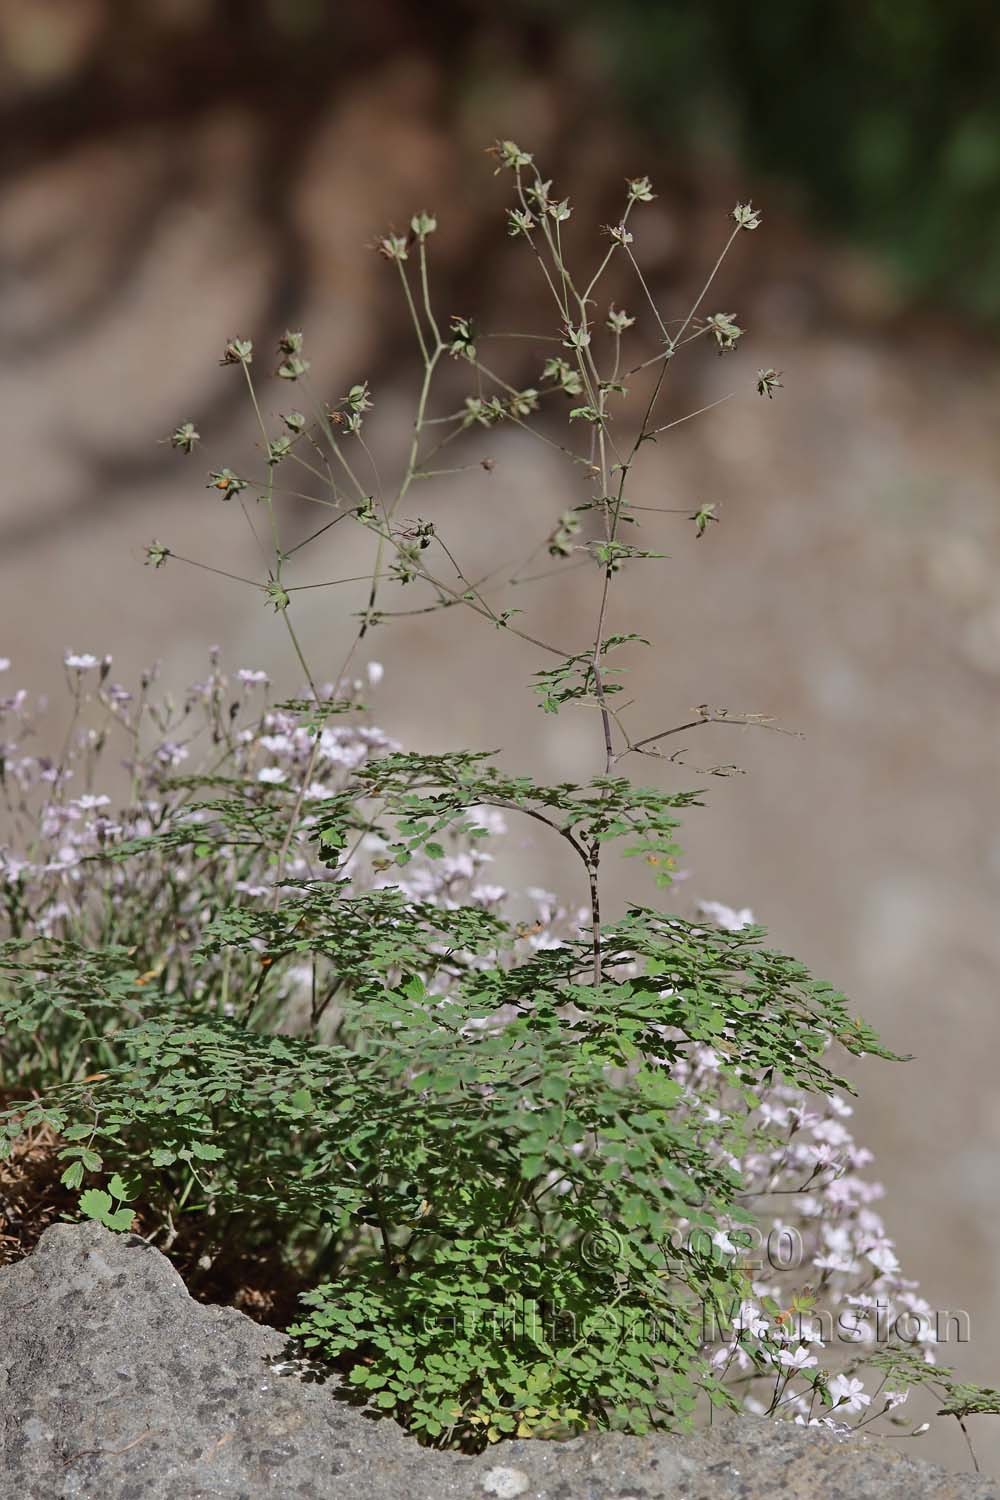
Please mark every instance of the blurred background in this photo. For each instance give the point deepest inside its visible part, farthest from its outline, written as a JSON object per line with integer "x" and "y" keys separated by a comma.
{"x": 178, "y": 172}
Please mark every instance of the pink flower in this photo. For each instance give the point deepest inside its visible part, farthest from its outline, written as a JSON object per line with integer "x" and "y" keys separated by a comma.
{"x": 316, "y": 791}
{"x": 848, "y": 1394}
{"x": 488, "y": 895}
{"x": 835, "y": 1260}
{"x": 798, "y": 1359}
{"x": 883, "y": 1258}
{"x": 750, "y": 1320}
{"x": 725, "y": 916}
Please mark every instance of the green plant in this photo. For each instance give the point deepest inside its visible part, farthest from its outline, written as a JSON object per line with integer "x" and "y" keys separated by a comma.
{"x": 522, "y": 1160}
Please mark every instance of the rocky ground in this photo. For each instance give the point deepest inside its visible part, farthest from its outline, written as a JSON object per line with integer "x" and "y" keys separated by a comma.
{"x": 115, "y": 1385}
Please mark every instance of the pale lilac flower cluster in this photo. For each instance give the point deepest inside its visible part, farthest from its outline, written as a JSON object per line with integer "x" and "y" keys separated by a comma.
{"x": 57, "y": 813}
{"x": 804, "y": 1168}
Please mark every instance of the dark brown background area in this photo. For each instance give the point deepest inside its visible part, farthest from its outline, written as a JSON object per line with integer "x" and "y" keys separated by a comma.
{"x": 178, "y": 173}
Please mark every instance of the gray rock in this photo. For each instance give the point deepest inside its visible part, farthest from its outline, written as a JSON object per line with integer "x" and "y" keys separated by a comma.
{"x": 115, "y": 1385}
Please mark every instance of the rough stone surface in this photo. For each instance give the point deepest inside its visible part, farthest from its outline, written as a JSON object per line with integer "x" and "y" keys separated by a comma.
{"x": 115, "y": 1385}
